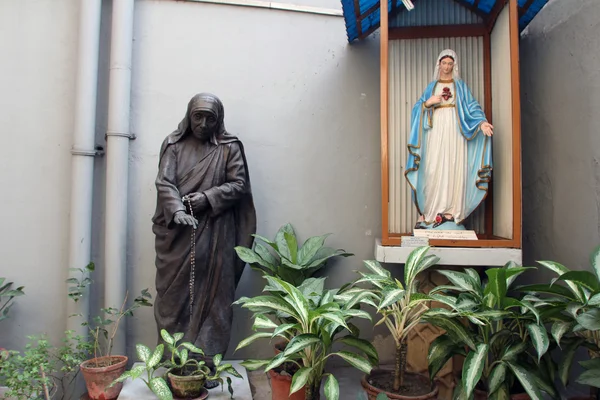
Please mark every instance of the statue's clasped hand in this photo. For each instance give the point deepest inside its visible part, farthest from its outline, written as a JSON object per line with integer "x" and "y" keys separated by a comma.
{"x": 487, "y": 129}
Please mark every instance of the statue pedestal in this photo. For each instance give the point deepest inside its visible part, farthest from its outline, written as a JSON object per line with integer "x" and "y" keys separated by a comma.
{"x": 137, "y": 389}
{"x": 459, "y": 256}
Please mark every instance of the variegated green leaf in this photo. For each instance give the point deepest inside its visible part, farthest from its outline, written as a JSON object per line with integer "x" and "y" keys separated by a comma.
{"x": 177, "y": 337}
{"x": 310, "y": 247}
{"x": 160, "y": 388}
{"x": 526, "y": 380}
{"x": 513, "y": 351}
{"x": 454, "y": 329}
{"x": 249, "y": 256}
{"x": 461, "y": 280}
{"x": 556, "y": 290}
{"x": 335, "y": 317}
{"x": 184, "y": 356}
{"x": 590, "y": 378}
{"x": 559, "y": 328}
{"x": 513, "y": 271}
{"x": 356, "y": 361}
{"x": 358, "y": 298}
{"x": 590, "y": 320}
{"x": 391, "y": 297}
{"x": 192, "y": 348}
{"x": 284, "y": 328}
{"x": 332, "y": 388}
{"x": 440, "y": 351}
{"x": 582, "y": 278}
{"x": 217, "y": 359}
{"x": 300, "y": 378}
{"x": 143, "y": 352}
{"x": 252, "y": 338}
{"x": 502, "y": 393}
{"x": 497, "y": 377}
{"x": 417, "y": 298}
{"x": 376, "y": 268}
{"x": 422, "y": 265}
{"x": 363, "y": 345}
{"x": 280, "y": 240}
{"x": 253, "y": 365}
{"x": 292, "y": 245}
{"x": 496, "y": 284}
{"x": 540, "y": 340}
{"x": 412, "y": 262}
{"x": 446, "y": 300}
{"x": 134, "y": 373}
{"x": 166, "y": 337}
{"x": 595, "y": 261}
{"x": 473, "y": 367}
{"x": 263, "y": 322}
{"x": 276, "y": 361}
{"x": 270, "y": 261}
{"x": 358, "y": 314}
{"x": 300, "y": 304}
{"x": 268, "y": 302}
{"x": 594, "y": 300}
{"x": 301, "y": 342}
{"x": 156, "y": 356}
{"x": 560, "y": 269}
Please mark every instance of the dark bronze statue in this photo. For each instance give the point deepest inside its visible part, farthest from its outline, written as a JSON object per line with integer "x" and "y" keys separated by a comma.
{"x": 204, "y": 198}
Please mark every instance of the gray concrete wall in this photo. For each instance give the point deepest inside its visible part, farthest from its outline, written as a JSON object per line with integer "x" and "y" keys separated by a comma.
{"x": 560, "y": 80}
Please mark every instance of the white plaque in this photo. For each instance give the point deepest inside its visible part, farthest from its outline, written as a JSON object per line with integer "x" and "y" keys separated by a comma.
{"x": 433, "y": 234}
{"x": 412, "y": 241}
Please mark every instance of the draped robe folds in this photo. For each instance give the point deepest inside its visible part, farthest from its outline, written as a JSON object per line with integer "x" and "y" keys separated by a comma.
{"x": 219, "y": 171}
{"x": 469, "y": 117}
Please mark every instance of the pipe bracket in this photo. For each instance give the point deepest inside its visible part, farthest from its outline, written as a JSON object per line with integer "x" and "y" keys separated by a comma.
{"x": 89, "y": 153}
{"x": 121, "y": 134}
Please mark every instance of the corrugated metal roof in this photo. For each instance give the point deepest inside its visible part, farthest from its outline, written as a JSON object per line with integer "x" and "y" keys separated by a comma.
{"x": 364, "y": 22}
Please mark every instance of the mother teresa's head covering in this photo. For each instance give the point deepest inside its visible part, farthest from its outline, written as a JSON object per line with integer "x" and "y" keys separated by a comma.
{"x": 446, "y": 53}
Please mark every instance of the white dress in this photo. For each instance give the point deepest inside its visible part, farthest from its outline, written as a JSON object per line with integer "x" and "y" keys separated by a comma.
{"x": 445, "y": 161}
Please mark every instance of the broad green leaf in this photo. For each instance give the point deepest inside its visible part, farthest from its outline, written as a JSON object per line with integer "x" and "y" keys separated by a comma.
{"x": 281, "y": 242}
{"x": 544, "y": 383}
{"x": 356, "y": 361}
{"x": 513, "y": 351}
{"x": 582, "y": 278}
{"x": 440, "y": 351}
{"x": 166, "y": 337}
{"x": 300, "y": 378}
{"x": 590, "y": 319}
{"x": 267, "y": 256}
{"x": 156, "y": 356}
{"x": 557, "y": 290}
{"x": 391, "y": 297}
{"x": 473, "y": 367}
{"x": 160, "y": 388}
{"x": 526, "y": 379}
{"x": 595, "y": 262}
{"x": 567, "y": 356}
{"x": 497, "y": 284}
{"x": 263, "y": 322}
{"x": 310, "y": 247}
{"x": 276, "y": 361}
{"x": 560, "y": 269}
{"x": 253, "y": 365}
{"x": 461, "y": 280}
{"x": 363, "y": 345}
{"x": 376, "y": 268}
{"x": 249, "y": 256}
{"x": 593, "y": 363}
{"x": 540, "y": 340}
{"x": 454, "y": 329}
{"x": 590, "y": 378}
{"x": 267, "y": 241}
{"x": 497, "y": 377}
{"x": 513, "y": 271}
{"x": 332, "y": 388}
{"x": 259, "y": 303}
{"x": 252, "y": 338}
{"x": 217, "y": 359}
{"x": 283, "y": 328}
{"x": 594, "y": 300}
{"x": 177, "y": 337}
{"x": 143, "y": 352}
{"x": 559, "y": 328}
{"x": 192, "y": 348}
{"x": 358, "y": 314}
{"x": 301, "y": 342}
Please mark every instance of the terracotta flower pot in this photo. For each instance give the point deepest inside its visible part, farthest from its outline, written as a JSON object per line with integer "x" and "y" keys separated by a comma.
{"x": 186, "y": 387}
{"x": 280, "y": 387}
{"x": 100, "y": 372}
{"x": 373, "y": 391}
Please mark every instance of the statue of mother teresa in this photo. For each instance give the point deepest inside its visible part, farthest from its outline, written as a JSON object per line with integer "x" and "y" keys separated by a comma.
{"x": 449, "y": 164}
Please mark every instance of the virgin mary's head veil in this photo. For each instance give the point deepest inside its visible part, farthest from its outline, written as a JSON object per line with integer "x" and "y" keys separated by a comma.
{"x": 446, "y": 53}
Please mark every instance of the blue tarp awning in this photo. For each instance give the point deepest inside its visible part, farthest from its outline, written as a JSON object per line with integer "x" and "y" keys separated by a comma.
{"x": 368, "y": 13}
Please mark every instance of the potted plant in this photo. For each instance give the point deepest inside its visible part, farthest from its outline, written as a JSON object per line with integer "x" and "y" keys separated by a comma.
{"x": 503, "y": 340}
{"x": 571, "y": 302}
{"x": 401, "y": 307}
{"x": 285, "y": 260}
{"x": 185, "y": 375}
{"x": 316, "y": 320}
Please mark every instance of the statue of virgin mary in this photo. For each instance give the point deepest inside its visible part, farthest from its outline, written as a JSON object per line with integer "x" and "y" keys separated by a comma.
{"x": 449, "y": 164}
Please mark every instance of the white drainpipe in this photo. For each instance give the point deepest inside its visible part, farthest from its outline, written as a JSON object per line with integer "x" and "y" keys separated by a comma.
{"x": 117, "y": 161}
{"x": 83, "y": 150}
